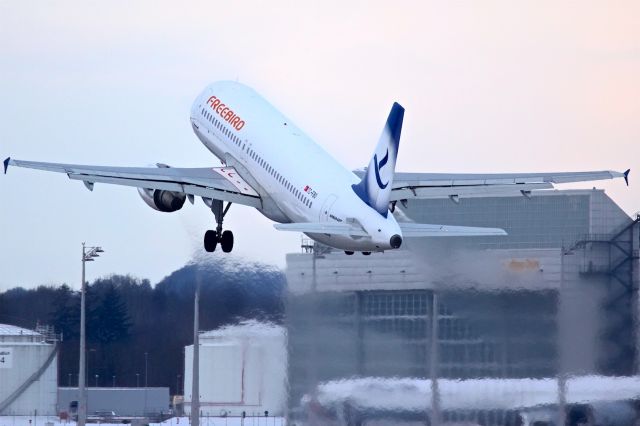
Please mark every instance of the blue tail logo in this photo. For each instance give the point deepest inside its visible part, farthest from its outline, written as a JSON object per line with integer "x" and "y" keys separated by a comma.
{"x": 372, "y": 189}
{"x": 380, "y": 165}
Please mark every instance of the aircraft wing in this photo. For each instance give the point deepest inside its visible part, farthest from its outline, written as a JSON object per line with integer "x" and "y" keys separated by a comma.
{"x": 466, "y": 185}
{"x": 220, "y": 183}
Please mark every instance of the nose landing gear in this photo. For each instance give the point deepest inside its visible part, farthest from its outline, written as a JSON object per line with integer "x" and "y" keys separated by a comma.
{"x": 212, "y": 238}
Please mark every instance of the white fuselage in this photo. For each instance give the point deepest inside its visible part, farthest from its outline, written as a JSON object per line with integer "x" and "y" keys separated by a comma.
{"x": 301, "y": 181}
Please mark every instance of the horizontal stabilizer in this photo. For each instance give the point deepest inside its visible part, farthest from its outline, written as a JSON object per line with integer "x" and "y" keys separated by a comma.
{"x": 322, "y": 228}
{"x": 428, "y": 230}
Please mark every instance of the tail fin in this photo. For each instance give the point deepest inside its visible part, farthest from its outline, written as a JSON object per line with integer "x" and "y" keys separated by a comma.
{"x": 375, "y": 187}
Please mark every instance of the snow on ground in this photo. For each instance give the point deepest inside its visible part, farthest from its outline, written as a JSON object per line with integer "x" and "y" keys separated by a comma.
{"x": 175, "y": 421}
{"x": 224, "y": 421}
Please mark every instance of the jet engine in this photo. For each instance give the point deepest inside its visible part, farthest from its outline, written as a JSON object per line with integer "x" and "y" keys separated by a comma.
{"x": 161, "y": 200}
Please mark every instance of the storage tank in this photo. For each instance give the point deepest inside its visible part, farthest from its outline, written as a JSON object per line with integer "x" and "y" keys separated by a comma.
{"x": 242, "y": 368}
{"x": 28, "y": 372}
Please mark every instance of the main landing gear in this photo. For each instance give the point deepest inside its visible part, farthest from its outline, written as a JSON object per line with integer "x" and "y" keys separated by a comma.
{"x": 350, "y": 253}
{"x": 212, "y": 238}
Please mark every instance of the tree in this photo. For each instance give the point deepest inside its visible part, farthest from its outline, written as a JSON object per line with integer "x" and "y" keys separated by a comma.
{"x": 66, "y": 313}
{"x": 110, "y": 322}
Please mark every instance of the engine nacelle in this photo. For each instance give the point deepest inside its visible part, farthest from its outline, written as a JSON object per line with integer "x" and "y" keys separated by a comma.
{"x": 163, "y": 201}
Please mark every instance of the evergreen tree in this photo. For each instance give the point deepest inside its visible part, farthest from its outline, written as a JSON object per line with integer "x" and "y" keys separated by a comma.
{"x": 111, "y": 320}
{"x": 66, "y": 313}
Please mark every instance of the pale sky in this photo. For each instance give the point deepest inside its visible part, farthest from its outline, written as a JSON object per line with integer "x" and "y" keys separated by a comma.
{"x": 487, "y": 86}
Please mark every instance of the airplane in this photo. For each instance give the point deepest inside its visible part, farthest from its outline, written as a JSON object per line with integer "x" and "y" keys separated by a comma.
{"x": 270, "y": 164}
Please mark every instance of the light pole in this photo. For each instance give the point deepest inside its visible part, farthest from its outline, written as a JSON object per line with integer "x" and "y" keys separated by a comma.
{"x": 137, "y": 380}
{"x": 97, "y": 379}
{"x": 146, "y": 383}
{"x": 88, "y": 255}
{"x": 146, "y": 368}
{"x": 436, "y": 417}
{"x": 195, "y": 374}
{"x": 113, "y": 383}
{"x": 90, "y": 361}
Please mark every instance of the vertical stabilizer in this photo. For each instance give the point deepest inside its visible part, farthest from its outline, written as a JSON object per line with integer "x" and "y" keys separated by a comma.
{"x": 375, "y": 187}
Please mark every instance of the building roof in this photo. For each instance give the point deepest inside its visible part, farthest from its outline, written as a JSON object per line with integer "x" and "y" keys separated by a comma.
{"x": 12, "y": 330}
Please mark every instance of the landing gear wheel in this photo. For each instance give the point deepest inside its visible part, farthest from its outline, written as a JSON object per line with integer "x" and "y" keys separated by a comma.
{"x": 226, "y": 241}
{"x": 366, "y": 253}
{"x": 210, "y": 240}
{"x": 348, "y": 253}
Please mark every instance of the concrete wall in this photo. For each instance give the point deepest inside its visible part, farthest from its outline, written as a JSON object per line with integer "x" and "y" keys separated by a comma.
{"x": 123, "y": 401}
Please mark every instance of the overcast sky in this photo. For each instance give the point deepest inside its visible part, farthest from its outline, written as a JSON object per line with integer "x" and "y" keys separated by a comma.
{"x": 487, "y": 86}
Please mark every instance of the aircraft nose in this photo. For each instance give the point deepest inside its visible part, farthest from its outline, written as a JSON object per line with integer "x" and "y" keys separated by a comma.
{"x": 395, "y": 241}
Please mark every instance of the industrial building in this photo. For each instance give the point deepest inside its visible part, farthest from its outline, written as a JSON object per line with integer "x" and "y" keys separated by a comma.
{"x": 28, "y": 371}
{"x": 555, "y": 297}
{"x": 124, "y": 403}
{"x": 242, "y": 369}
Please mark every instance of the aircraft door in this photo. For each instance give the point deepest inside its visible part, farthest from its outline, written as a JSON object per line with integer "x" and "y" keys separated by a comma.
{"x": 326, "y": 207}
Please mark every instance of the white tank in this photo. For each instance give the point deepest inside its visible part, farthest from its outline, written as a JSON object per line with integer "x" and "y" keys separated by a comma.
{"x": 242, "y": 368}
{"x": 28, "y": 372}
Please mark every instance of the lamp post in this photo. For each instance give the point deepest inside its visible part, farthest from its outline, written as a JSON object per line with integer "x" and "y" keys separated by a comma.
{"x": 195, "y": 374}
{"x": 88, "y": 255}
{"x": 146, "y": 383}
{"x": 146, "y": 368}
